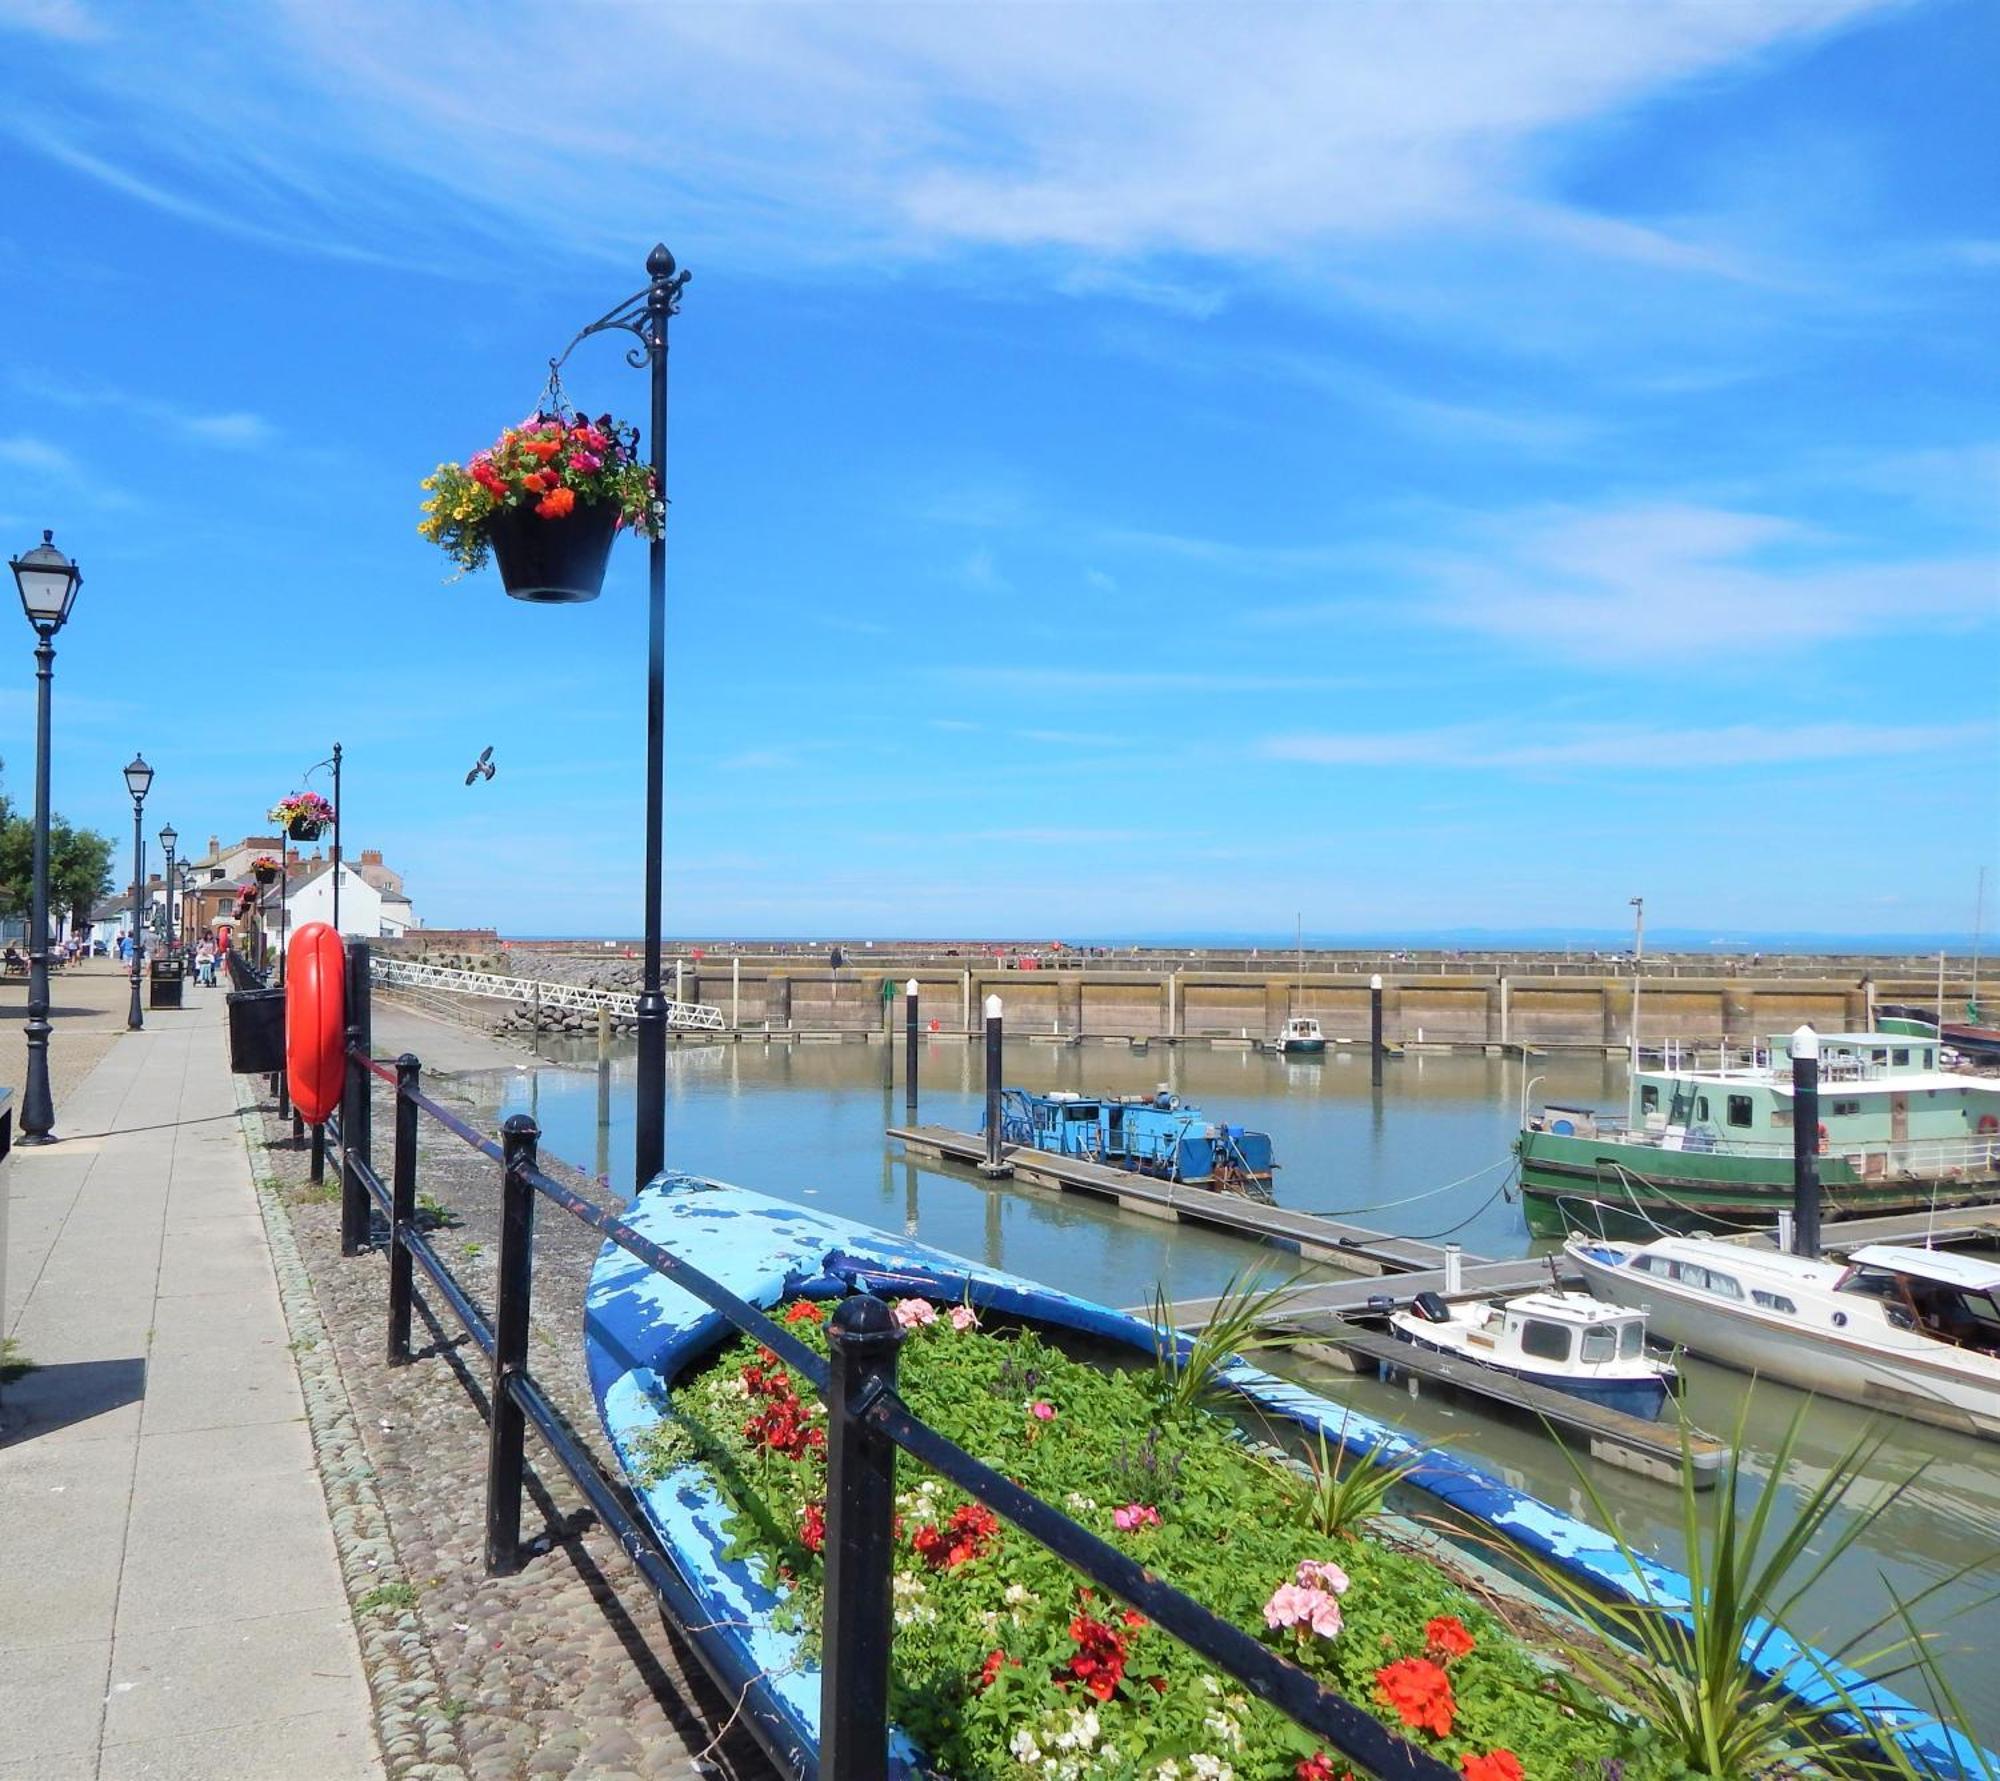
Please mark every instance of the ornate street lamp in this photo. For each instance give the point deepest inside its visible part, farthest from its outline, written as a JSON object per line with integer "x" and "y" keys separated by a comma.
{"x": 138, "y": 780}
{"x": 645, "y": 314}
{"x": 168, "y": 837}
{"x": 332, "y": 761}
{"x": 48, "y": 581}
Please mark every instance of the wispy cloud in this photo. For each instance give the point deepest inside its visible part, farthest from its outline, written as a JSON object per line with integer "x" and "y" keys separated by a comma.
{"x": 24, "y": 452}
{"x": 1628, "y": 748}
{"x": 232, "y": 429}
{"x": 1122, "y": 681}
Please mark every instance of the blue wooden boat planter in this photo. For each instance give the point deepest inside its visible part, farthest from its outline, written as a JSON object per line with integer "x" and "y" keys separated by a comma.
{"x": 641, "y": 1333}
{"x": 1157, "y": 1134}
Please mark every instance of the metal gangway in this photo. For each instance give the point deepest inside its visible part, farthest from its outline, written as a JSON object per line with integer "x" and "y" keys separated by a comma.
{"x": 407, "y": 974}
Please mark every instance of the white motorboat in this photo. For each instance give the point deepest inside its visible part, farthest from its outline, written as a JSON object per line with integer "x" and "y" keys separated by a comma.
{"x": 1568, "y": 1341}
{"x": 1301, "y": 1037}
{"x": 1916, "y": 1331}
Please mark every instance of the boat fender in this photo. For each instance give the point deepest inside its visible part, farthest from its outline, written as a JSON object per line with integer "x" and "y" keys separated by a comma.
{"x": 1431, "y": 1308}
{"x": 1822, "y": 1140}
{"x": 1988, "y": 1125}
{"x": 315, "y": 1020}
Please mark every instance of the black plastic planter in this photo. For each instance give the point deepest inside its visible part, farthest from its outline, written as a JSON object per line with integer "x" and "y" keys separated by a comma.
{"x": 256, "y": 1031}
{"x": 302, "y": 828}
{"x": 554, "y": 562}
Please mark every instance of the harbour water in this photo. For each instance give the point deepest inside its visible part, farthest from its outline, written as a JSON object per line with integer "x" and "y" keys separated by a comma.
{"x": 1426, "y": 1156}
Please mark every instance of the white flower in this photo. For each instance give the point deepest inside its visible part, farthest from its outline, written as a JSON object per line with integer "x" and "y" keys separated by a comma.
{"x": 1017, "y": 1594}
{"x": 1077, "y": 1500}
{"x": 1210, "y": 1768}
{"x": 1225, "y": 1729}
{"x": 1086, "y": 1727}
{"x": 1167, "y": 1771}
{"x": 1209, "y": 1682}
{"x": 1024, "y": 1747}
{"x": 1107, "y": 1755}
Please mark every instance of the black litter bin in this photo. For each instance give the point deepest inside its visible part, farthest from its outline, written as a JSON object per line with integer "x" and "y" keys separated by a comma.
{"x": 168, "y": 977}
{"x": 256, "y": 1031}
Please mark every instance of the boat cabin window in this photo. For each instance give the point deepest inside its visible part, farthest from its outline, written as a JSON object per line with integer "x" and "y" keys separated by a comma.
{"x": 1900, "y": 1055}
{"x": 1600, "y": 1344}
{"x": 1739, "y": 1110}
{"x": 1880, "y": 1054}
{"x": 1774, "y": 1301}
{"x": 1953, "y": 1314}
{"x": 1631, "y": 1340}
{"x": 1928, "y": 1058}
{"x": 1083, "y": 1115}
{"x": 1701, "y": 1106}
{"x": 1704, "y": 1279}
{"x": 1649, "y": 1097}
{"x": 1544, "y": 1341}
{"x": 1845, "y": 1109}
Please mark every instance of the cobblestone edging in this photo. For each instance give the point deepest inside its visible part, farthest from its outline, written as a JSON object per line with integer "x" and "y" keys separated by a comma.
{"x": 417, "y": 1741}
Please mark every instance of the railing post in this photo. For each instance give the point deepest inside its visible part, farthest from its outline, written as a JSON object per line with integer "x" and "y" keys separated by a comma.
{"x": 403, "y": 1208}
{"x": 356, "y": 1106}
{"x": 856, "y": 1627}
{"x": 505, "y": 1425}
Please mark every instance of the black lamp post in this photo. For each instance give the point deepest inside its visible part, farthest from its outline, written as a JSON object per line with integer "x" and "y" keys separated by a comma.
{"x": 645, "y": 314}
{"x": 168, "y": 836}
{"x": 138, "y": 779}
{"x": 332, "y": 761}
{"x": 48, "y": 581}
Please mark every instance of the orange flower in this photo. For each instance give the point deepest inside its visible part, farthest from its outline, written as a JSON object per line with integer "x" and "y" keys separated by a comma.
{"x": 1446, "y": 1638}
{"x": 1495, "y": 1765}
{"x": 1420, "y": 1692}
{"x": 556, "y": 503}
{"x": 544, "y": 449}
{"x": 805, "y": 1311}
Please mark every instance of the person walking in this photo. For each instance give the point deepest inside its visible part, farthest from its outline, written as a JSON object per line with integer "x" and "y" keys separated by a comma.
{"x": 204, "y": 965}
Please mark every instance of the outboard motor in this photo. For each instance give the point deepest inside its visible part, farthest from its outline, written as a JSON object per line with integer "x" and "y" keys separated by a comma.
{"x": 1431, "y": 1308}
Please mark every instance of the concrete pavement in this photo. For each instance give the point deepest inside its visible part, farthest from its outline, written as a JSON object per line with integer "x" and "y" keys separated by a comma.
{"x": 170, "y": 1600}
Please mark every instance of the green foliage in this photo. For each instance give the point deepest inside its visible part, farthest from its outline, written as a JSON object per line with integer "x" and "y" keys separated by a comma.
{"x": 1747, "y": 1569}
{"x": 13, "y": 1363}
{"x": 1238, "y": 1325}
{"x": 387, "y": 1595}
{"x": 1230, "y": 1532}
{"x": 79, "y": 866}
{"x": 1340, "y": 1495}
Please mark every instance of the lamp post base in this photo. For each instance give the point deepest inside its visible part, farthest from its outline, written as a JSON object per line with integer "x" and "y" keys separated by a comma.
{"x": 649, "y": 1147}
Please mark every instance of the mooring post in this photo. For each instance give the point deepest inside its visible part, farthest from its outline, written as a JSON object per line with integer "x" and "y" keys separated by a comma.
{"x": 855, "y": 1629}
{"x": 1806, "y": 1131}
{"x": 506, "y": 1427}
{"x": 402, "y": 1208}
{"x": 356, "y": 1106}
{"x": 1375, "y": 1029}
{"x": 1454, "y": 1263}
{"x": 993, "y": 1164}
{"x": 910, "y": 1052}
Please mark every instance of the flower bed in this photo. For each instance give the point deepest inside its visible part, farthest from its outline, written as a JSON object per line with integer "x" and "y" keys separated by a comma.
{"x": 1006, "y": 1665}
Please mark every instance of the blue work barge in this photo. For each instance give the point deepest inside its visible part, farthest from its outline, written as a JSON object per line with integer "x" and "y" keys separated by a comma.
{"x": 1157, "y": 1134}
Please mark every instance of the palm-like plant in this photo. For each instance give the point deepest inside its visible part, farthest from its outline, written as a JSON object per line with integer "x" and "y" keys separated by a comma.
{"x": 1692, "y": 1667}
{"x": 1340, "y": 1493}
{"x": 1240, "y": 1323}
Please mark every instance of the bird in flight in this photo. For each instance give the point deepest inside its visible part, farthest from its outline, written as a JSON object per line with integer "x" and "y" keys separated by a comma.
{"x": 482, "y": 768}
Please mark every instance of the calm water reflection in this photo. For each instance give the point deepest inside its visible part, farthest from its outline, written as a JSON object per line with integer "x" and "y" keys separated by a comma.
{"x": 1428, "y": 1153}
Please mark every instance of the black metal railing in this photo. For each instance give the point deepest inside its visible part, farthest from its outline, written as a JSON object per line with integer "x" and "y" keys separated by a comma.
{"x": 866, "y": 1422}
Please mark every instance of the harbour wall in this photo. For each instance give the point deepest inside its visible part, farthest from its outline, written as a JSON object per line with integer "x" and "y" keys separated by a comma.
{"x": 1527, "y": 1006}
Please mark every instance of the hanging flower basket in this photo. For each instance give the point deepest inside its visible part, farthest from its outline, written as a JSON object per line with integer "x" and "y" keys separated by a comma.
{"x": 265, "y": 869}
{"x": 306, "y": 815}
{"x": 544, "y": 502}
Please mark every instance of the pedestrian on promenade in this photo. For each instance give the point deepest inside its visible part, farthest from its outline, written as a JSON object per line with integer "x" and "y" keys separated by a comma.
{"x": 204, "y": 965}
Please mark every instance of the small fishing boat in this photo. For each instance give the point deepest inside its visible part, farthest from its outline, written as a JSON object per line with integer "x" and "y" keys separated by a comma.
{"x": 643, "y": 1335}
{"x": 1916, "y": 1331}
{"x": 1706, "y": 1144}
{"x": 1301, "y": 1038}
{"x": 1568, "y": 1341}
{"x": 1157, "y": 1134}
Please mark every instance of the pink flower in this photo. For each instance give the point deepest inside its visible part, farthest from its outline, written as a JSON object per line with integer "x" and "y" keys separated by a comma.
{"x": 584, "y": 461}
{"x": 914, "y": 1314}
{"x": 1042, "y": 1410}
{"x": 964, "y": 1318}
{"x": 1294, "y": 1605}
{"x": 1135, "y": 1515}
{"x": 1330, "y": 1577}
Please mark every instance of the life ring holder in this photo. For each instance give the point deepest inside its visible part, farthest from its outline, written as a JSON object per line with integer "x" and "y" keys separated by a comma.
{"x": 1989, "y": 1124}
{"x": 315, "y": 1020}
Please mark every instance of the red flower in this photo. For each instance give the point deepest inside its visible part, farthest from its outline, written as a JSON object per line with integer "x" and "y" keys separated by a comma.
{"x": 1420, "y": 1692}
{"x": 989, "y": 1672}
{"x": 805, "y": 1311}
{"x": 1319, "y": 1767}
{"x": 812, "y": 1527}
{"x": 1446, "y": 1638}
{"x": 1099, "y": 1660}
{"x": 963, "y": 1537}
{"x": 1495, "y": 1765}
{"x": 556, "y": 503}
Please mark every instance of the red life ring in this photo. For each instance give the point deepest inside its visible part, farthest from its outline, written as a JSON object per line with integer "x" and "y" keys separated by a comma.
{"x": 1822, "y": 1140}
{"x": 1988, "y": 1125}
{"x": 315, "y": 1020}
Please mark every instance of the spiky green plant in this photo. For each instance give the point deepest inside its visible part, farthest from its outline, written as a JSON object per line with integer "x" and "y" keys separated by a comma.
{"x": 1341, "y": 1493}
{"x": 1690, "y": 1667}
{"x": 1240, "y": 1323}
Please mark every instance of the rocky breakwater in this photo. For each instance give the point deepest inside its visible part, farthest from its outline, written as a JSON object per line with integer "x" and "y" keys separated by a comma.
{"x": 619, "y": 974}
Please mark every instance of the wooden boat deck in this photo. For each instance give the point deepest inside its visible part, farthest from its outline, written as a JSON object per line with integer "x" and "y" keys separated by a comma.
{"x": 1308, "y": 1235}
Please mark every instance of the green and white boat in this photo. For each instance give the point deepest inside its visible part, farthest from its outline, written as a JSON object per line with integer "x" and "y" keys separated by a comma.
{"x": 1708, "y": 1145}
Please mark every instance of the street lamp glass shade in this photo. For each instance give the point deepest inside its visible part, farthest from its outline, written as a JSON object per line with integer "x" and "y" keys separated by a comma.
{"x": 48, "y": 581}
{"x": 138, "y": 778}
{"x": 168, "y": 836}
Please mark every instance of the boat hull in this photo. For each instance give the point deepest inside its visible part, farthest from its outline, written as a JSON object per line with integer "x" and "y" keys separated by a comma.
{"x": 641, "y": 1333}
{"x": 1810, "y": 1359}
{"x": 1605, "y": 1188}
{"x": 1643, "y": 1398}
{"x": 1302, "y": 1047}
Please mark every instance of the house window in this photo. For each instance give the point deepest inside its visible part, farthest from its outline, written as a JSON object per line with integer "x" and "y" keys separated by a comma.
{"x": 1544, "y": 1341}
{"x": 1739, "y": 1110}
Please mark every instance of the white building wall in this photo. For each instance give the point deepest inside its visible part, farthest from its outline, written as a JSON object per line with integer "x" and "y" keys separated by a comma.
{"x": 360, "y": 906}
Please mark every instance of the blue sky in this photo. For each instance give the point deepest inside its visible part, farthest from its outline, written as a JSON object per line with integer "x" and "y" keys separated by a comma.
{"x": 1135, "y": 469}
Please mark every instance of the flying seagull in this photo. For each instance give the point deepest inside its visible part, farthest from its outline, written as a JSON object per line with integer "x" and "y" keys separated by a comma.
{"x": 482, "y": 768}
